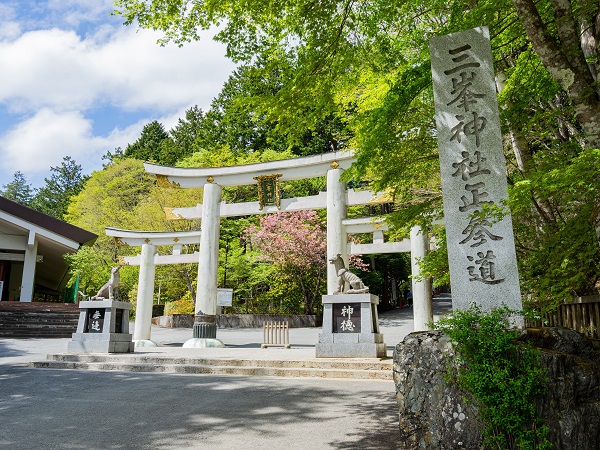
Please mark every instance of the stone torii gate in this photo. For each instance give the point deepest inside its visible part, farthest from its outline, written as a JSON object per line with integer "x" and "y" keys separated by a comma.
{"x": 336, "y": 200}
{"x": 148, "y": 260}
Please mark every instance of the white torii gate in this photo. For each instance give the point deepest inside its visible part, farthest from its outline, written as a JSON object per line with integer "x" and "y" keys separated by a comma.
{"x": 148, "y": 260}
{"x": 335, "y": 200}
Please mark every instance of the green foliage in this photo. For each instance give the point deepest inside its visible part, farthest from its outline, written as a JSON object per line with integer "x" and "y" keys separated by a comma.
{"x": 503, "y": 375}
{"x": 55, "y": 196}
{"x": 110, "y": 197}
{"x": 327, "y": 75}
{"x": 18, "y": 190}
{"x": 91, "y": 271}
{"x": 123, "y": 195}
{"x": 558, "y": 250}
{"x": 384, "y": 270}
{"x": 154, "y": 144}
{"x": 184, "y": 305}
{"x": 435, "y": 263}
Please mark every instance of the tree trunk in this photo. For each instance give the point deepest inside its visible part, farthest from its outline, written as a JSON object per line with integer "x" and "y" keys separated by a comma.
{"x": 188, "y": 281}
{"x": 566, "y": 62}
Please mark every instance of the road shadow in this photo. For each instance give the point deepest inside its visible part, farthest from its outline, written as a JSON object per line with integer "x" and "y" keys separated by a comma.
{"x": 7, "y": 349}
{"x": 99, "y": 410}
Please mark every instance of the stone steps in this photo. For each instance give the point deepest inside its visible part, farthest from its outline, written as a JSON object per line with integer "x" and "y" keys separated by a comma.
{"x": 37, "y": 321}
{"x": 347, "y": 369}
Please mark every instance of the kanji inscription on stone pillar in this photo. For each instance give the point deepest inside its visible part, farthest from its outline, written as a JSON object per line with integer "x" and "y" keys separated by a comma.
{"x": 481, "y": 249}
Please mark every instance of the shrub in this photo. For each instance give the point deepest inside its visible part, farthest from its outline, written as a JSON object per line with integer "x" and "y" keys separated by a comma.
{"x": 184, "y": 305}
{"x": 503, "y": 376}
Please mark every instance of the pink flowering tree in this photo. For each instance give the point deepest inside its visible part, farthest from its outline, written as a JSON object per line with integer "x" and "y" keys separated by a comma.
{"x": 296, "y": 243}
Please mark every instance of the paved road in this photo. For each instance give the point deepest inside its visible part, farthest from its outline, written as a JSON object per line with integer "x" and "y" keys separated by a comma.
{"x": 64, "y": 409}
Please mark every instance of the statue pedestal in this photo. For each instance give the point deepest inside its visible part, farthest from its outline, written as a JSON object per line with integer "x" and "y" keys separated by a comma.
{"x": 103, "y": 328}
{"x": 350, "y": 327}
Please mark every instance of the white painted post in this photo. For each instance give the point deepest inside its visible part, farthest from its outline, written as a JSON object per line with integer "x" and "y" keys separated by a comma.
{"x": 422, "y": 301}
{"x": 28, "y": 278}
{"x": 206, "y": 292}
{"x": 337, "y": 239}
{"x": 145, "y": 294}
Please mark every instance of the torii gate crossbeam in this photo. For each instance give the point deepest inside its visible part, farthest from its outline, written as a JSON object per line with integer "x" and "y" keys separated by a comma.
{"x": 148, "y": 241}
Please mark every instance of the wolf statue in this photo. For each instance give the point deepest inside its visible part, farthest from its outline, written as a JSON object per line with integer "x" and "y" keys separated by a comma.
{"x": 344, "y": 275}
{"x": 111, "y": 288}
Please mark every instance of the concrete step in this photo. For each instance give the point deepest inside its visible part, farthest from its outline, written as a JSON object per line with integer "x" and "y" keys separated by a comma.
{"x": 334, "y": 363}
{"x": 38, "y": 306}
{"x": 326, "y": 368}
{"x": 39, "y": 324}
{"x": 37, "y": 321}
{"x": 11, "y": 316}
{"x": 28, "y": 331}
{"x": 19, "y": 333}
{"x": 58, "y": 321}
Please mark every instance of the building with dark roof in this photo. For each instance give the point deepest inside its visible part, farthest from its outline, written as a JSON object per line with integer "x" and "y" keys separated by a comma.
{"x": 32, "y": 250}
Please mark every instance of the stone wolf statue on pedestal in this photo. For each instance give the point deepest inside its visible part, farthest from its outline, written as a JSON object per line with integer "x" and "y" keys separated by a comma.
{"x": 111, "y": 287}
{"x": 356, "y": 284}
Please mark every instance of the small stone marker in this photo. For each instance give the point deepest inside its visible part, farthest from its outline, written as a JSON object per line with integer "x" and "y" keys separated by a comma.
{"x": 481, "y": 253}
{"x": 103, "y": 328}
{"x": 350, "y": 327}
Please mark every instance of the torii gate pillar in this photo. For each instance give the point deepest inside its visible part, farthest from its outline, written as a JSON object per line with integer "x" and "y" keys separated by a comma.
{"x": 205, "y": 328}
{"x": 337, "y": 239}
{"x": 422, "y": 301}
{"x": 145, "y": 294}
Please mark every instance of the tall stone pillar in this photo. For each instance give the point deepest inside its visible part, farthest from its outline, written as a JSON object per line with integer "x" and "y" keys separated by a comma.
{"x": 205, "y": 326}
{"x": 422, "y": 301}
{"x": 28, "y": 278}
{"x": 337, "y": 239}
{"x": 145, "y": 295}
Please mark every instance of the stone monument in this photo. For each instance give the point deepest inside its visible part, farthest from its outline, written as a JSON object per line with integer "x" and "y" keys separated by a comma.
{"x": 103, "y": 325}
{"x": 350, "y": 322}
{"x": 481, "y": 249}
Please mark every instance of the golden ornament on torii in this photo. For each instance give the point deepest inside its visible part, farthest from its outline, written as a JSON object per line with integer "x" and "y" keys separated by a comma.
{"x": 268, "y": 190}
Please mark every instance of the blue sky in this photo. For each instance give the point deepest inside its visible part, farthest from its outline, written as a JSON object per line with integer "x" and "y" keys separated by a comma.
{"x": 74, "y": 81}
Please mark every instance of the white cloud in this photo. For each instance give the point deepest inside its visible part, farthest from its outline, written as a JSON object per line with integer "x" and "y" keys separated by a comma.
{"x": 43, "y": 140}
{"x": 58, "y": 69}
{"x": 9, "y": 30}
{"x": 55, "y": 78}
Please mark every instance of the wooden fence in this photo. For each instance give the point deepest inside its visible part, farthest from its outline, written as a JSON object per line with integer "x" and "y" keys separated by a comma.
{"x": 276, "y": 334}
{"x": 582, "y": 314}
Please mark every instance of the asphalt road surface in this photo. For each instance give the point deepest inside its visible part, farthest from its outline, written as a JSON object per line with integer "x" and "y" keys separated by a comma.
{"x": 68, "y": 409}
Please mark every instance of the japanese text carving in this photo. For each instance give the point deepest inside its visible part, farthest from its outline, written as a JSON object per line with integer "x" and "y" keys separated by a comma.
{"x": 471, "y": 124}
{"x": 479, "y": 234}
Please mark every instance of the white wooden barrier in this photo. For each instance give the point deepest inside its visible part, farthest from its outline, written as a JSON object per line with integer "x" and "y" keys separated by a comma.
{"x": 276, "y": 334}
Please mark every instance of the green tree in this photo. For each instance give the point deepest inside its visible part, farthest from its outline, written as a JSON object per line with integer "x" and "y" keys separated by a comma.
{"x": 154, "y": 144}
{"x": 189, "y": 135}
{"x": 564, "y": 34}
{"x": 109, "y": 199}
{"x": 123, "y": 195}
{"x": 240, "y": 118}
{"x": 367, "y": 63}
{"x": 55, "y": 196}
{"x": 110, "y": 196}
{"x": 18, "y": 190}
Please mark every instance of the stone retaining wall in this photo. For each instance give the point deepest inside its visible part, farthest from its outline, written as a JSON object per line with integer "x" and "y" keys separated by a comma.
{"x": 240, "y": 320}
{"x": 434, "y": 415}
